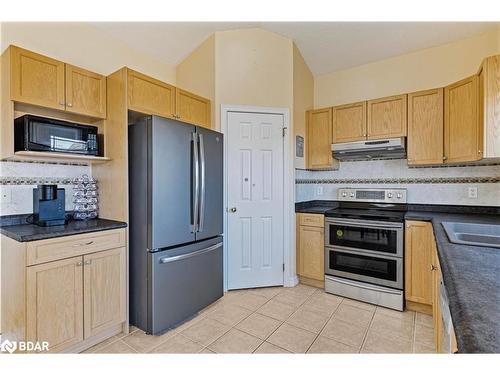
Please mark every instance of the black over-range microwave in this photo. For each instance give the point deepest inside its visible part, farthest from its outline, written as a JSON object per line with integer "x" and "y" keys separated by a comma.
{"x": 33, "y": 133}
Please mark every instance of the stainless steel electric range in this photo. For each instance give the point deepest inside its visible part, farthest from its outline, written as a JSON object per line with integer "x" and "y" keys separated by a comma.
{"x": 364, "y": 246}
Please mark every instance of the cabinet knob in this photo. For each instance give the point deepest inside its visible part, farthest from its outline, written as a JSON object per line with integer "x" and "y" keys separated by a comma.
{"x": 445, "y": 157}
{"x": 87, "y": 262}
{"x": 479, "y": 152}
{"x": 70, "y": 104}
{"x": 433, "y": 267}
{"x": 61, "y": 103}
{"x": 79, "y": 264}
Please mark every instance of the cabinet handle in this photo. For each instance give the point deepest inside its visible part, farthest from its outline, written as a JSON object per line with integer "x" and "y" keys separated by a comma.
{"x": 83, "y": 243}
{"x": 87, "y": 262}
{"x": 70, "y": 105}
{"x": 445, "y": 158}
{"x": 79, "y": 264}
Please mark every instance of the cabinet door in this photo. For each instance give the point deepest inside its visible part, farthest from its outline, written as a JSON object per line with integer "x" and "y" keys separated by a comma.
{"x": 104, "y": 290}
{"x": 349, "y": 122}
{"x": 436, "y": 307}
{"x": 489, "y": 110}
{"x": 149, "y": 95}
{"x": 192, "y": 108}
{"x": 319, "y": 139}
{"x": 425, "y": 127}
{"x": 462, "y": 133}
{"x": 54, "y": 303}
{"x": 36, "y": 79}
{"x": 418, "y": 261}
{"x": 85, "y": 92}
{"x": 311, "y": 252}
{"x": 387, "y": 117}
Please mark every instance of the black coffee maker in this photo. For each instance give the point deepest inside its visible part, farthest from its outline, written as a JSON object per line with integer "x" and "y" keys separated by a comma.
{"x": 48, "y": 206}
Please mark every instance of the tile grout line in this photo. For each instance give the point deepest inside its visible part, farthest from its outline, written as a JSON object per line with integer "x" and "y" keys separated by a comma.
{"x": 323, "y": 328}
{"x": 367, "y": 330}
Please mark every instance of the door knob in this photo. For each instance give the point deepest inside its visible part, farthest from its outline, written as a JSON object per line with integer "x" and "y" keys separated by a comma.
{"x": 232, "y": 209}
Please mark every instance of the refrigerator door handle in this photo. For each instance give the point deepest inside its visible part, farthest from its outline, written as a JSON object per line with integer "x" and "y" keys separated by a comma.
{"x": 189, "y": 255}
{"x": 196, "y": 184}
{"x": 202, "y": 185}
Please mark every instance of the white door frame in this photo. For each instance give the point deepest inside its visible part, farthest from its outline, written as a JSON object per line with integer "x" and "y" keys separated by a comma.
{"x": 289, "y": 276}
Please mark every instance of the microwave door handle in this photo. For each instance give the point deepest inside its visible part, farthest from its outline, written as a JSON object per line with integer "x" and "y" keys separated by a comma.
{"x": 202, "y": 184}
{"x": 195, "y": 188}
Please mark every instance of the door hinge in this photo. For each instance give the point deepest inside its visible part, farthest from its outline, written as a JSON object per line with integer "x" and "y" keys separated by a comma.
{"x": 284, "y": 131}
{"x": 283, "y": 267}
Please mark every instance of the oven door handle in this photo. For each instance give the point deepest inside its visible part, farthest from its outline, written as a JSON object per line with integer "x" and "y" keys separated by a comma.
{"x": 364, "y": 253}
{"x": 366, "y": 223}
{"x": 369, "y": 287}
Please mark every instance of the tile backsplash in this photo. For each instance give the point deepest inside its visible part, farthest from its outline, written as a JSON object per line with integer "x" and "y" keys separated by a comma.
{"x": 431, "y": 185}
{"x": 17, "y": 180}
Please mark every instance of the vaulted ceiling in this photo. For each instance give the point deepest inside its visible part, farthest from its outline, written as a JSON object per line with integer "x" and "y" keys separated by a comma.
{"x": 326, "y": 46}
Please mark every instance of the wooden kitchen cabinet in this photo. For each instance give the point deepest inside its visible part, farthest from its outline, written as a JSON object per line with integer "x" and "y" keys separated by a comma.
{"x": 489, "y": 105}
{"x": 419, "y": 240}
{"x": 192, "y": 108}
{"x": 319, "y": 139}
{"x": 70, "y": 291}
{"x": 310, "y": 249}
{"x": 85, "y": 92}
{"x": 54, "y": 303}
{"x": 463, "y": 136}
{"x": 436, "y": 306}
{"x": 387, "y": 117}
{"x": 349, "y": 122}
{"x": 36, "y": 79}
{"x": 104, "y": 285}
{"x": 425, "y": 127}
{"x": 149, "y": 95}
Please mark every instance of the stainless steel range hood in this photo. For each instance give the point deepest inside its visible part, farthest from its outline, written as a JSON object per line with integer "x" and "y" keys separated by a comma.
{"x": 390, "y": 148}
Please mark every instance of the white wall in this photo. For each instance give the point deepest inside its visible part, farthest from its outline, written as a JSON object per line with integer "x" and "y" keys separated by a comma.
{"x": 82, "y": 45}
{"x": 420, "y": 70}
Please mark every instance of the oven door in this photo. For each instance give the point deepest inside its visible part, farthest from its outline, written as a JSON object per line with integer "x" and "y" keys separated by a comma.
{"x": 377, "y": 237}
{"x": 359, "y": 265}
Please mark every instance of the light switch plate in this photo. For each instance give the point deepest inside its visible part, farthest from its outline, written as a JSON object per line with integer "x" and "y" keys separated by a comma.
{"x": 472, "y": 192}
{"x": 5, "y": 195}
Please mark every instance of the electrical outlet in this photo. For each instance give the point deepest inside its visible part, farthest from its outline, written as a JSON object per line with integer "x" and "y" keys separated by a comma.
{"x": 472, "y": 192}
{"x": 319, "y": 190}
{"x": 6, "y": 195}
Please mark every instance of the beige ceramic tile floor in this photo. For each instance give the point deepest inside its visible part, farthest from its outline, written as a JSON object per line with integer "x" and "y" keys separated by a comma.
{"x": 302, "y": 319}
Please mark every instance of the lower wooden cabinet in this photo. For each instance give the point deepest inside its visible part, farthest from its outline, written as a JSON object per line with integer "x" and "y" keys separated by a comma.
{"x": 310, "y": 248}
{"x": 104, "y": 285}
{"x": 419, "y": 240}
{"x": 436, "y": 307}
{"x": 54, "y": 303}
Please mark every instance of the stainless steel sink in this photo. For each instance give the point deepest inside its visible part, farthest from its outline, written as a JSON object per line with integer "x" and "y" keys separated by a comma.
{"x": 487, "y": 235}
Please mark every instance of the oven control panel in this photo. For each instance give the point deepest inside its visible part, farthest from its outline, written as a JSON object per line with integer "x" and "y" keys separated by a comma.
{"x": 372, "y": 195}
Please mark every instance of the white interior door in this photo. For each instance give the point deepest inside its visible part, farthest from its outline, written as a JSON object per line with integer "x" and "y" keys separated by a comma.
{"x": 255, "y": 200}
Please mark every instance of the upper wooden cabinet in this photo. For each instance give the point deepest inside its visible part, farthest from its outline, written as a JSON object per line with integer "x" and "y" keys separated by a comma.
{"x": 36, "y": 79}
{"x": 319, "y": 138}
{"x": 425, "y": 127}
{"x": 149, "y": 95}
{"x": 419, "y": 240}
{"x": 192, "y": 108}
{"x": 45, "y": 82}
{"x": 387, "y": 117}
{"x": 349, "y": 122}
{"x": 85, "y": 92}
{"x": 489, "y": 105}
{"x": 463, "y": 136}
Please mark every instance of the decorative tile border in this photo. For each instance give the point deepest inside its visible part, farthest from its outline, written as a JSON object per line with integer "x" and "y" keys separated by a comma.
{"x": 409, "y": 166}
{"x": 35, "y": 180}
{"x": 435, "y": 180}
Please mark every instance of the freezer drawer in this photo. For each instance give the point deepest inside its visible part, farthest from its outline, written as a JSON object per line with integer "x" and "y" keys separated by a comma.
{"x": 183, "y": 281}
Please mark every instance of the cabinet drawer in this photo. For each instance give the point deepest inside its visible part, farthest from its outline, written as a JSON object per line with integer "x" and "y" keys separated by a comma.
{"x": 312, "y": 220}
{"x": 65, "y": 247}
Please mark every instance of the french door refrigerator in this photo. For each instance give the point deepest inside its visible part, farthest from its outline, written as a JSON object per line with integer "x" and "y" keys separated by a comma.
{"x": 175, "y": 211}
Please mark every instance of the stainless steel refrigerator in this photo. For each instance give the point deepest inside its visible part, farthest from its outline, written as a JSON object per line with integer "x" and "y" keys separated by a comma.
{"x": 175, "y": 201}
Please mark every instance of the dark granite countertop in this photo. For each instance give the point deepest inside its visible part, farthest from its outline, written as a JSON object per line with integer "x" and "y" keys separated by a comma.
{"x": 16, "y": 228}
{"x": 315, "y": 207}
{"x": 471, "y": 274}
